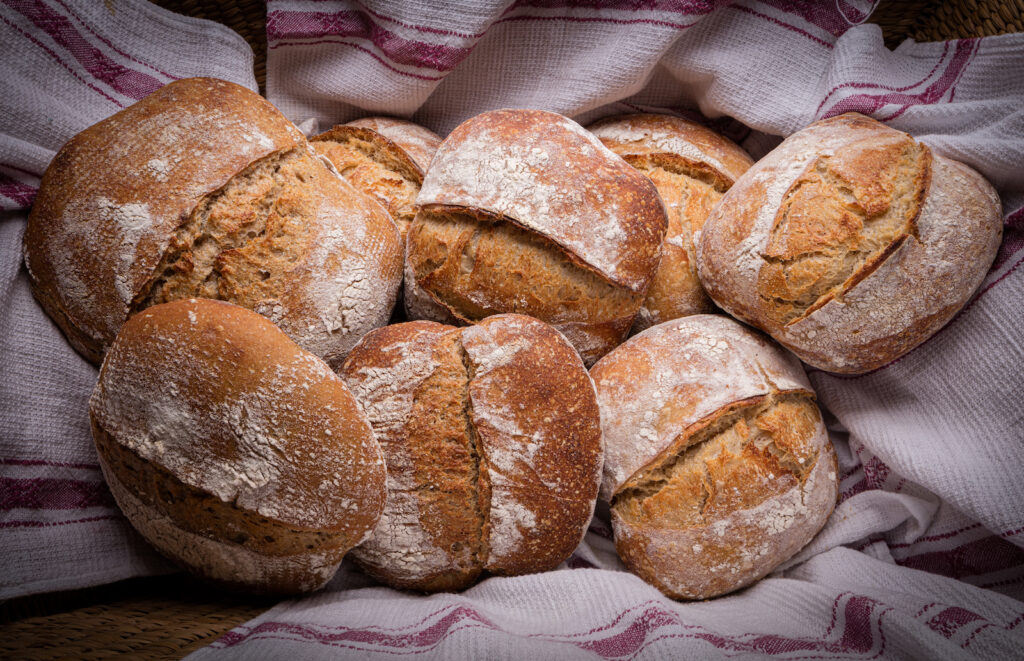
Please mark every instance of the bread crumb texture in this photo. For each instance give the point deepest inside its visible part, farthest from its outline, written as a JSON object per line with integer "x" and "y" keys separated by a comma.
{"x": 493, "y": 444}
{"x": 210, "y": 417}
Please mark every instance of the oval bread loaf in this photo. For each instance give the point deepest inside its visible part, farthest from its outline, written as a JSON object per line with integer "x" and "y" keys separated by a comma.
{"x": 691, "y": 166}
{"x": 493, "y": 443}
{"x": 850, "y": 243}
{"x": 383, "y": 157}
{"x": 525, "y": 211}
{"x": 204, "y": 189}
{"x": 234, "y": 452}
{"x": 717, "y": 463}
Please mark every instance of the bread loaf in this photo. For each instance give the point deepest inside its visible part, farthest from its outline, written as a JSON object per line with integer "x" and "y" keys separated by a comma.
{"x": 717, "y": 463}
{"x": 204, "y": 189}
{"x": 383, "y": 157}
{"x": 691, "y": 166}
{"x": 233, "y": 451}
{"x": 850, "y": 243}
{"x": 493, "y": 443}
{"x": 524, "y": 211}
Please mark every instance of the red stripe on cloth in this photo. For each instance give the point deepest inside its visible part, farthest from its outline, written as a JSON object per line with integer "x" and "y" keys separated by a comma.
{"x": 20, "y": 193}
{"x": 360, "y": 48}
{"x": 982, "y": 556}
{"x": 828, "y": 16}
{"x": 871, "y": 103}
{"x": 685, "y": 7}
{"x": 61, "y": 62}
{"x": 945, "y": 51}
{"x": 112, "y": 47}
{"x": 43, "y": 493}
{"x": 47, "y": 524}
{"x": 44, "y": 462}
{"x": 862, "y": 616}
{"x": 290, "y": 25}
{"x": 1013, "y": 238}
{"x": 129, "y": 82}
{"x": 788, "y": 26}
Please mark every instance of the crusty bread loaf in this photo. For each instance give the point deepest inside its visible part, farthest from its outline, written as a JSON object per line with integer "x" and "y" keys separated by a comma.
{"x": 717, "y": 463}
{"x": 383, "y": 157}
{"x": 205, "y": 189}
{"x": 233, "y": 451}
{"x": 691, "y": 166}
{"x": 525, "y": 211}
{"x": 493, "y": 443}
{"x": 850, "y": 243}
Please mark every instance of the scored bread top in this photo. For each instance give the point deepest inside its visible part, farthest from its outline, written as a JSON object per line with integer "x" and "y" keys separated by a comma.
{"x": 493, "y": 445}
{"x": 692, "y": 167}
{"x": 111, "y": 198}
{"x": 655, "y": 386}
{"x": 545, "y": 173}
{"x": 850, "y": 243}
{"x": 418, "y": 142}
{"x": 652, "y": 134}
{"x": 220, "y": 397}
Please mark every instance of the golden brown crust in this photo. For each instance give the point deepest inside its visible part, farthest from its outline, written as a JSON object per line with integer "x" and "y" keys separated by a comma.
{"x": 267, "y": 448}
{"x": 850, "y": 243}
{"x": 538, "y": 186}
{"x": 493, "y": 445}
{"x": 382, "y": 157}
{"x": 92, "y": 240}
{"x": 207, "y": 190}
{"x": 691, "y": 166}
{"x": 717, "y": 464}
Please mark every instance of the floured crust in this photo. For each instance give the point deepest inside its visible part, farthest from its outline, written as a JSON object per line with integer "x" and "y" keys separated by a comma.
{"x": 547, "y": 174}
{"x": 92, "y": 241}
{"x": 511, "y": 437}
{"x": 718, "y": 466}
{"x": 418, "y": 142}
{"x": 382, "y": 157}
{"x": 220, "y": 399}
{"x": 802, "y": 219}
{"x": 205, "y": 177}
{"x": 691, "y": 166}
{"x": 656, "y": 386}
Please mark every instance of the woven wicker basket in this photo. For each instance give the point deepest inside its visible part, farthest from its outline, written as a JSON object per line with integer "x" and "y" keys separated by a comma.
{"x": 169, "y": 616}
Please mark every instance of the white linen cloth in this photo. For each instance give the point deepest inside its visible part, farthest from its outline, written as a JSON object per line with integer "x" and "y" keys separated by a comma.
{"x": 923, "y": 556}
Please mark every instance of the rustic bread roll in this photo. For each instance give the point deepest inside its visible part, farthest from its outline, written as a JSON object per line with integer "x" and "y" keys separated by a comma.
{"x": 717, "y": 464}
{"x": 234, "y": 452}
{"x": 850, "y": 243}
{"x": 205, "y": 189}
{"x": 383, "y": 157}
{"x": 493, "y": 443}
{"x": 525, "y": 211}
{"x": 692, "y": 167}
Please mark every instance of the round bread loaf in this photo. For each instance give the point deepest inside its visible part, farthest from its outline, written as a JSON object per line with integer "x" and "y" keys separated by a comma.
{"x": 717, "y": 463}
{"x": 691, "y": 166}
{"x": 204, "y": 189}
{"x": 850, "y": 243}
{"x": 525, "y": 211}
{"x": 383, "y": 157}
{"x": 234, "y": 452}
{"x": 493, "y": 443}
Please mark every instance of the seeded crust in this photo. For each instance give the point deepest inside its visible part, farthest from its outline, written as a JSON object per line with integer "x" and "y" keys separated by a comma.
{"x": 205, "y": 189}
{"x": 233, "y": 451}
{"x": 538, "y": 187}
{"x": 384, "y": 158}
{"x": 732, "y": 472}
{"x": 493, "y": 447}
{"x": 691, "y": 166}
{"x": 850, "y": 243}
